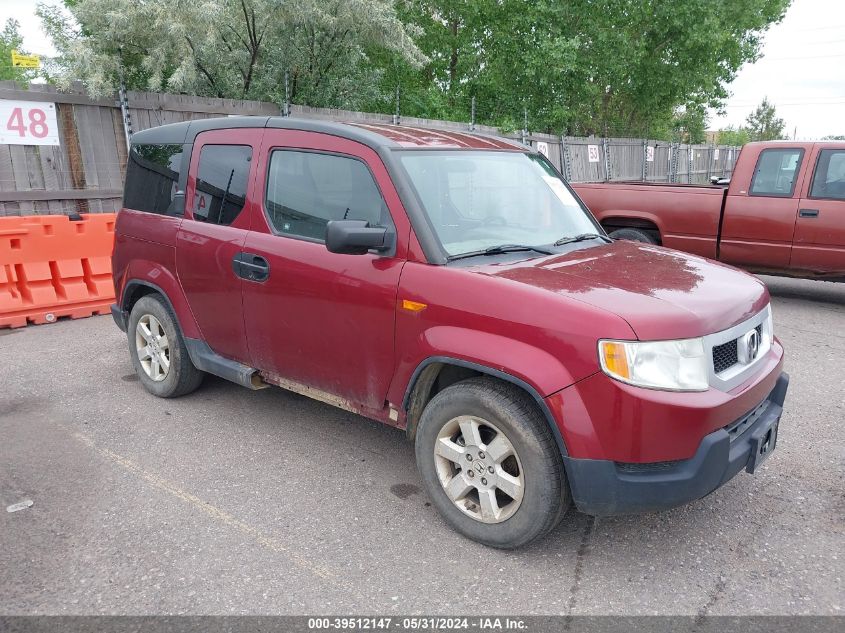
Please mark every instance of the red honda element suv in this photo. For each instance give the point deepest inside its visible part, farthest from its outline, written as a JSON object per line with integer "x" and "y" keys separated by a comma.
{"x": 451, "y": 285}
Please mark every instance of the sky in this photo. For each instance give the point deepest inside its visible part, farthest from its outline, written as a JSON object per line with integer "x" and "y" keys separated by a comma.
{"x": 802, "y": 70}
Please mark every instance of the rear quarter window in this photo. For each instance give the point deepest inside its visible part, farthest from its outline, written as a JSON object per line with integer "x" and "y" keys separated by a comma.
{"x": 152, "y": 178}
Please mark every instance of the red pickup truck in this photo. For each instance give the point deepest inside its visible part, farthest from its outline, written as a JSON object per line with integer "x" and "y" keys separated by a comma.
{"x": 453, "y": 286}
{"x": 783, "y": 212}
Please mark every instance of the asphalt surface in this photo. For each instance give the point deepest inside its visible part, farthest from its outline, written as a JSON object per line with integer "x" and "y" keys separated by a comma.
{"x": 229, "y": 501}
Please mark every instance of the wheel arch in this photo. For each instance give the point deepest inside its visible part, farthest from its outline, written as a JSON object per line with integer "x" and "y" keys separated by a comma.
{"x": 612, "y": 220}
{"x": 168, "y": 287}
{"x": 424, "y": 385}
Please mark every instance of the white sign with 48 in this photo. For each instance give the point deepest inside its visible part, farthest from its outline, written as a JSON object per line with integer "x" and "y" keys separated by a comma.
{"x": 28, "y": 123}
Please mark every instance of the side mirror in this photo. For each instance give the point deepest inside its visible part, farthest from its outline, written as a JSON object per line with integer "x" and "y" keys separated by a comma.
{"x": 355, "y": 237}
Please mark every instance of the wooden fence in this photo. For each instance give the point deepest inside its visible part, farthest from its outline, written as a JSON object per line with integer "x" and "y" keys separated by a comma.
{"x": 85, "y": 172}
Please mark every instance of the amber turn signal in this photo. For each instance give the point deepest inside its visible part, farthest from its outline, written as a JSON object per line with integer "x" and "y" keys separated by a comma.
{"x": 413, "y": 306}
{"x": 615, "y": 359}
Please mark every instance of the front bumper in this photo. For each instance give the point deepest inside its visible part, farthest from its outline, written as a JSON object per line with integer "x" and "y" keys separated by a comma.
{"x": 605, "y": 487}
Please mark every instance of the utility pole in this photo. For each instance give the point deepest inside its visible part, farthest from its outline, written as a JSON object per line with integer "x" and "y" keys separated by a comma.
{"x": 645, "y": 160}
{"x": 124, "y": 106}
{"x": 472, "y": 116}
{"x": 564, "y": 159}
{"x": 286, "y": 104}
{"x": 396, "y": 117}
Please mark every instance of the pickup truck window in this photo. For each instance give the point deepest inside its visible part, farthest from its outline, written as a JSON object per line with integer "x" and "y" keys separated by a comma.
{"x": 829, "y": 176}
{"x": 476, "y": 200}
{"x": 307, "y": 189}
{"x": 221, "y": 183}
{"x": 152, "y": 177}
{"x": 775, "y": 172}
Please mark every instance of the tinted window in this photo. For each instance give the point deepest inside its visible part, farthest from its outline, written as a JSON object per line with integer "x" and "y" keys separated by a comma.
{"x": 829, "y": 177}
{"x": 775, "y": 172}
{"x": 305, "y": 190}
{"x": 152, "y": 177}
{"x": 221, "y": 183}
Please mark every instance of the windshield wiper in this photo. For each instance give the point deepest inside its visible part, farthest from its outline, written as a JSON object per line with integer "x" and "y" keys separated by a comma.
{"x": 582, "y": 238}
{"x": 503, "y": 248}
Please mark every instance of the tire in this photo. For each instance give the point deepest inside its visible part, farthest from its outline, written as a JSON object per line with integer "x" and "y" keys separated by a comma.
{"x": 634, "y": 235}
{"x": 173, "y": 374}
{"x": 481, "y": 409}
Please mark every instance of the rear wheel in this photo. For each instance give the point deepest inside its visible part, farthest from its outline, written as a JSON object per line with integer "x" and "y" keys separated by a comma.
{"x": 490, "y": 464}
{"x": 158, "y": 350}
{"x": 634, "y": 235}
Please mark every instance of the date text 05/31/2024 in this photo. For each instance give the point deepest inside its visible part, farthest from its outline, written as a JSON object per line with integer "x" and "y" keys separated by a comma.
{"x": 420, "y": 623}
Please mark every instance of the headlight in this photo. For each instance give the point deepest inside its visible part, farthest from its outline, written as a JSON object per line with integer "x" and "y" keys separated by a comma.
{"x": 671, "y": 365}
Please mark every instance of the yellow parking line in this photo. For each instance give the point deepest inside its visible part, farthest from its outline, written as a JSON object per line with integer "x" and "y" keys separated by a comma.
{"x": 218, "y": 514}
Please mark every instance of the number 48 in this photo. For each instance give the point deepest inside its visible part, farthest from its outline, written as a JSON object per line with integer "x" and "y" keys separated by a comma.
{"x": 37, "y": 122}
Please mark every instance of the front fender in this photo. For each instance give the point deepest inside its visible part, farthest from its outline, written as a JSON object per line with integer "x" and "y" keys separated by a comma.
{"x": 543, "y": 372}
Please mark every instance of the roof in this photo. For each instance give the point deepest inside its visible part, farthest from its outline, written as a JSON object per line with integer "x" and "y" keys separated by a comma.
{"x": 806, "y": 144}
{"x": 382, "y": 136}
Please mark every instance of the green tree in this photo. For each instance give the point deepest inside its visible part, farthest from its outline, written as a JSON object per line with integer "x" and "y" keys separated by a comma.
{"x": 834, "y": 137}
{"x": 736, "y": 136}
{"x": 229, "y": 48}
{"x": 581, "y": 66}
{"x": 690, "y": 125}
{"x": 764, "y": 124}
{"x": 11, "y": 40}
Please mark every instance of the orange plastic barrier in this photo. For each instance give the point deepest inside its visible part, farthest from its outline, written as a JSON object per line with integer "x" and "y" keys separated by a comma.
{"x": 53, "y": 267}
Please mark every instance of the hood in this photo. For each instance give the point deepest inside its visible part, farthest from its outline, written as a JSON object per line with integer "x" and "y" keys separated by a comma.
{"x": 661, "y": 293}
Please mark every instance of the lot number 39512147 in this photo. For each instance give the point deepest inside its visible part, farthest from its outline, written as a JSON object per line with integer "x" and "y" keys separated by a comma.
{"x": 28, "y": 123}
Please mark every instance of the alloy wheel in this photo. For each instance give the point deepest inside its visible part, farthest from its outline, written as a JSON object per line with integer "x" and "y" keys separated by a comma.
{"x": 479, "y": 469}
{"x": 153, "y": 348}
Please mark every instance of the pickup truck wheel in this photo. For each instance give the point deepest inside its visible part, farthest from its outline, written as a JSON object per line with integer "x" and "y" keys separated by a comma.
{"x": 158, "y": 351}
{"x": 490, "y": 464}
{"x": 633, "y": 235}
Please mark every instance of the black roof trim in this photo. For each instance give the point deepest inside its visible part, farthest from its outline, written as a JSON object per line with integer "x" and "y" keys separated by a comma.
{"x": 187, "y": 131}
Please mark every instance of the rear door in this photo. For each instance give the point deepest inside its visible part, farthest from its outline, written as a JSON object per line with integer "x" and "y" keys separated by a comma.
{"x": 217, "y": 218}
{"x": 759, "y": 222}
{"x": 819, "y": 244}
{"x": 318, "y": 319}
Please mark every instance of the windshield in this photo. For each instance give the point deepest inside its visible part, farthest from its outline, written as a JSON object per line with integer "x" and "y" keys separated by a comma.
{"x": 477, "y": 200}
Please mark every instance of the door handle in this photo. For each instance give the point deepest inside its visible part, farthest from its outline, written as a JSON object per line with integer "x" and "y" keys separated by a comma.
{"x": 808, "y": 213}
{"x": 251, "y": 267}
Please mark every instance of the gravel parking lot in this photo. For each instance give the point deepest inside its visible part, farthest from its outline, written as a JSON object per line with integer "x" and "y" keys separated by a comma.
{"x": 239, "y": 502}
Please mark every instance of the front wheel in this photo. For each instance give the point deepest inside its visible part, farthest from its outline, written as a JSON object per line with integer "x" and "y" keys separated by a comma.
{"x": 490, "y": 464}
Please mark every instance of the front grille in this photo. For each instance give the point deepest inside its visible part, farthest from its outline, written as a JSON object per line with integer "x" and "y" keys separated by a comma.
{"x": 726, "y": 355}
